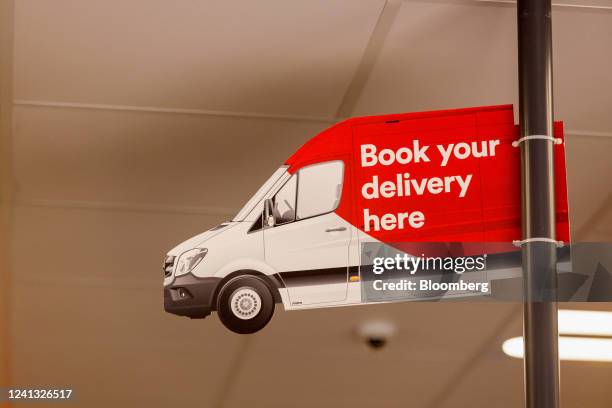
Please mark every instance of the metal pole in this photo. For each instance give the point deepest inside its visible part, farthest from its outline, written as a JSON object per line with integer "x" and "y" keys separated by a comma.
{"x": 539, "y": 258}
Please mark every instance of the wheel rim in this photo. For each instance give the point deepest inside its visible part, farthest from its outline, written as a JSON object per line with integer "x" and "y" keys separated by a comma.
{"x": 245, "y": 303}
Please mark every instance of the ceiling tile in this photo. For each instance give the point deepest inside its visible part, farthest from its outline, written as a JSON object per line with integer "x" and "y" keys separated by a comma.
{"x": 268, "y": 56}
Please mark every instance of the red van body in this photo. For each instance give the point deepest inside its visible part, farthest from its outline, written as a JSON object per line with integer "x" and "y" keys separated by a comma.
{"x": 488, "y": 216}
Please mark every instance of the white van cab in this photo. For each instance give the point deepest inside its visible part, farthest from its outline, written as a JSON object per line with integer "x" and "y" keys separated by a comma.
{"x": 297, "y": 241}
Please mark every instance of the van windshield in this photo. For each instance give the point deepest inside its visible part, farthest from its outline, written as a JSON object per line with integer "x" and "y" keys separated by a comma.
{"x": 259, "y": 194}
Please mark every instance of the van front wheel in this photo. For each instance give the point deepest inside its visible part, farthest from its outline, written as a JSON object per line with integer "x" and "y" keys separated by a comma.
{"x": 245, "y": 304}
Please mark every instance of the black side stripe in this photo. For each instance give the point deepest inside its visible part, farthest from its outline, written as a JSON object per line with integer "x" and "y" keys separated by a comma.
{"x": 323, "y": 276}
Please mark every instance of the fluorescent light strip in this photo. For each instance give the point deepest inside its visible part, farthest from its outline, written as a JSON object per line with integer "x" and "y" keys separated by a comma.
{"x": 570, "y": 348}
{"x": 585, "y": 322}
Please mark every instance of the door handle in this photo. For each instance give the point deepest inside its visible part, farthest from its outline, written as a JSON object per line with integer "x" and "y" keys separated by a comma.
{"x": 336, "y": 229}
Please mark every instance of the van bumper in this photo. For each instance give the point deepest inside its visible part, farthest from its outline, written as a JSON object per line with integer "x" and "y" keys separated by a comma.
{"x": 190, "y": 296}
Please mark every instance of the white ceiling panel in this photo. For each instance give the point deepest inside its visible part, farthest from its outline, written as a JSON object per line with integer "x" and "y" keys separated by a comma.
{"x": 117, "y": 346}
{"x": 444, "y": 55}
{"x": 329, "y": 363}
{"x": 293, "y": 57}
{"x": 495, "y": 379}
{"x": 582, "y": 66}
{"x": 588, "y": 176}
{"x": 456, "y": 54}
{"x": 105, "y": 248}
{"x": 583, "y": 3}
{"x": 127, "y": 157}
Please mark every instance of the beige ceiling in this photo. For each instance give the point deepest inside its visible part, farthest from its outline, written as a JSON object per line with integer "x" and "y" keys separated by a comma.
{"x": 138, "y": 123}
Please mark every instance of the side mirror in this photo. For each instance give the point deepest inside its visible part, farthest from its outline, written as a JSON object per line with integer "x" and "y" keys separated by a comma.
{"x": 269, "y": 219}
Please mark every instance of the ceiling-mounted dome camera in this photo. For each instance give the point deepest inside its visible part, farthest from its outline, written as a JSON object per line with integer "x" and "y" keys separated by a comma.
{"x": 377, "y": 342}
{"x": 376, "y": 333}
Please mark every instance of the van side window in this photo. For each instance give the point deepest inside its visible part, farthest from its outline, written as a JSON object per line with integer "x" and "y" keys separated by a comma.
{"x": 284, "y": 202}
{"x": 319, "y": 189}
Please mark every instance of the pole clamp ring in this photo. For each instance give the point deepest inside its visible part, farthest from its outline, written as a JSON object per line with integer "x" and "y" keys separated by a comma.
{"x": 519, "y": 243}
{"x": 555, "y": 140}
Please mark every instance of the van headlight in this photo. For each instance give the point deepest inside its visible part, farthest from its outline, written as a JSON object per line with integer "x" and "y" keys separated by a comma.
{"x": 189, "y": 260}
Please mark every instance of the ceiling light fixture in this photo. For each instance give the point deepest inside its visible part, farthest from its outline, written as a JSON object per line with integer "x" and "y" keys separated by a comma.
{"x": 595, "y": 324}
{"x": 585, "y": 322}
{"x": 570, "y": 348}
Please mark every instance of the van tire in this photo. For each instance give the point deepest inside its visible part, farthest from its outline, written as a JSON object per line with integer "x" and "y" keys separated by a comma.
{"x": 245, "y": 304}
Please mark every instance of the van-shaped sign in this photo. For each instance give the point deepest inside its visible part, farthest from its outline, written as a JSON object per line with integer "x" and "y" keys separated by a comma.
{"x": 442, "y": 176}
